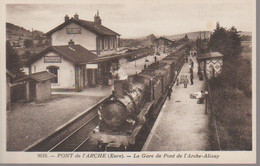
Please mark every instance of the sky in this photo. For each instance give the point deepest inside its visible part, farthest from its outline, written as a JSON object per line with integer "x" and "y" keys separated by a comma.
{"x": 138, "y": 18}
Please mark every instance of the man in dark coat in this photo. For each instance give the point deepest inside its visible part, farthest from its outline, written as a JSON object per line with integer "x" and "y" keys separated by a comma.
{"x": 191, "y": 79}
{"x": 192, "y": 64}
{"x": 169, "y": 93}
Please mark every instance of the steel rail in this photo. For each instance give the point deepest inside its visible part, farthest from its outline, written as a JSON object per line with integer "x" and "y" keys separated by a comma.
{"x": 75, "y": 131}
{"x": 85, "y": 140}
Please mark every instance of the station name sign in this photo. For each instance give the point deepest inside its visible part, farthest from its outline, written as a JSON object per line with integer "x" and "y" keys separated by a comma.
{"x": 91, "y": 66}
{"x": 52, "y": 59}
{"x": 73, "y": 30}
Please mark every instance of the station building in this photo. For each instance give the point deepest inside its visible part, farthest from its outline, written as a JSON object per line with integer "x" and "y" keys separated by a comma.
{"x": 74, "y": 45}
{"x": 164, "y": 45}
{"x": 68, "y": 63}
{"x": 90, "y": 34}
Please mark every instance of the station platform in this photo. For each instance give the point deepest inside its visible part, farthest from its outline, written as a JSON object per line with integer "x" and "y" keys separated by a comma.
{"x": 29, "y": 122}
{"x": 182, "y": 124}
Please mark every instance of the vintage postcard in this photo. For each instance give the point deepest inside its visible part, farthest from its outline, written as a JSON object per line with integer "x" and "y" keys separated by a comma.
{"x": 132, "y": 81}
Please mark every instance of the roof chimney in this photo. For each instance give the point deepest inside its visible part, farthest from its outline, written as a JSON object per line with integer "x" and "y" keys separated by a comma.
{"x": 71, "y": 43}
{"x": 97, "y": 19}
{"x": 66, "y": 18}
{"x": 76, "y": 16}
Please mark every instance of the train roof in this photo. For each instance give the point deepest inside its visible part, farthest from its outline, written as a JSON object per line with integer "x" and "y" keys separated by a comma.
{"x": 168, "y": 61}
{"x": 170, "y": 58}
{"x": 147, "y": 76}
{"x": 154, "y": 72}
{"x": 167, "y": 66}
{"x": 156, "y": 65}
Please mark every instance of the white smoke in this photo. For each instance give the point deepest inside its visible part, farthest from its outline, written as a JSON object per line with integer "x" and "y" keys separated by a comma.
{"x": 121, "y": 73}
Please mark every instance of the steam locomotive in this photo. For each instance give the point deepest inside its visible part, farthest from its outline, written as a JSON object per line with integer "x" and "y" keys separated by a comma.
{"x": 124, "y": 118}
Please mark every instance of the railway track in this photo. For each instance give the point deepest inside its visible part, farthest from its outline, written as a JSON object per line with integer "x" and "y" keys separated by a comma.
{"x": 73, "y": 136}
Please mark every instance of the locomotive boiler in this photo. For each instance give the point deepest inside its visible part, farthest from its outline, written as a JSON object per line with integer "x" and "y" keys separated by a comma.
{"x": 121, "y": 112}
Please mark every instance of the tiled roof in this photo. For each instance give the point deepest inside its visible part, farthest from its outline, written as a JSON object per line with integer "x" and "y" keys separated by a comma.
{"x": 210, "y": 55}
{"x": 125, "y": 55}
{"x": 39, "y": 76}
{"x": 74, "y": 53}
{"x": 89, "y": 25}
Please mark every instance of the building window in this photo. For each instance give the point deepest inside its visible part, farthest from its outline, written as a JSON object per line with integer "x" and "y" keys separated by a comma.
{"x": 53, "y": 70}
{"x": 108, "y": 39}
{"x": 103, "y": 42}
{"x": 114, "y": 42}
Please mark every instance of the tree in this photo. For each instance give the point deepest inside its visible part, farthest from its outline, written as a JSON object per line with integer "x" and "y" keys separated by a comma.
{"x": 186, "y": 37}
{"x": 28, "y": 43}
{"x": 227, "y": 42}
{"x": 27, "y": 55}
{"x": 231, "y": 91}
{"x": 218, "y": 40}
{"x": 13, "y": 62}
{"x": 234, "y": 42}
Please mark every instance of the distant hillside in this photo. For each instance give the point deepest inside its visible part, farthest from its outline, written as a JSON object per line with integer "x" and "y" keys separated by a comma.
{"x": 144, "y": 41}
{"x": 21, "y": 38}
{"x": 245, "y": 33}
{"x": 138, "y": 42}
{"x": 15, "y": 30}
{"x": 191, "y": 35}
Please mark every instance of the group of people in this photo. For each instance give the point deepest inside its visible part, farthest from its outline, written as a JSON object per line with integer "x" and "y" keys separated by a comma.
{"x": 184, "y": 79}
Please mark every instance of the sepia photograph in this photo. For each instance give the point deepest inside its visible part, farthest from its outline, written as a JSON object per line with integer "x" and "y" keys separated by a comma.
{"x": 156, "y": 80}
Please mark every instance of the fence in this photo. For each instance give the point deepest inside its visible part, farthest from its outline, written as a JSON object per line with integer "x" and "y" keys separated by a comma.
{"x": 214, "y": 136}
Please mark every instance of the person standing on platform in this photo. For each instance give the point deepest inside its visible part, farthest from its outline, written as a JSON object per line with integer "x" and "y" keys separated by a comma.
{"x": 186, "y": 58}
{"x": 169, "y": 93}
{"x": 191, "y": 70}
{"x": 155, "y": 58}
{"x": 200, "y": 74}
{"x": 191, "y": 79}
{"x": 185, "y": 82}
